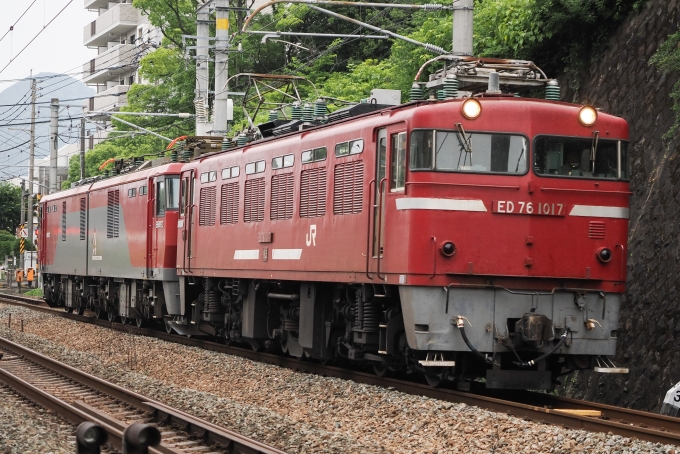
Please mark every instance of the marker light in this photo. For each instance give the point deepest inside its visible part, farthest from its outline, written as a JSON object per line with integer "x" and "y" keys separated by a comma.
{"x": 604, "y": 254}
{"x": 447, "y": 249}
{"x": 471, "y": 109}
{"x": 587, "y": 116}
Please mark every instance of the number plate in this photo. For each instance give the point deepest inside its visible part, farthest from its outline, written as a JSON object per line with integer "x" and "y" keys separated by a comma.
{"x": 529, "y": 208}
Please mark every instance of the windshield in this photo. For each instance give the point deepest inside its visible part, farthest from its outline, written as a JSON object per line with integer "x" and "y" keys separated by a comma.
{"x": 468, "y": 152}
{"x": 581, "y": 157}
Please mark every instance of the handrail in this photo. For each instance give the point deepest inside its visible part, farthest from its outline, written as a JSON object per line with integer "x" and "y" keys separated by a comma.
{"x": 623, "y": 262}
{"x": 189, "y": 229}
{"x": 380, "y": 207}
{"x": 434, "y": 271}
{"x": 368, "y": 235}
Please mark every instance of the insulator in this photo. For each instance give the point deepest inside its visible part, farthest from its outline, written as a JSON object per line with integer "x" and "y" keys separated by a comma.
{"x": 450, "y": 86}
{"x": 226, "y": 143}
{"x": 296, "y": 111}
{"x": 241, "y": 140}
{"x": 273, "y": 115}
{"x": 552, "y": 91}
{"x": 186, "y": 155}
{"x": 308, "y": 112}
{"x": 320, "y": 108}
{"x": 106, "y": 174}
{"x": 416, "y": 93}
{"x": 432, "y": 6}
{"x": 201, "y": 111}
{"x": 173, "y": 156}
{"x": 440, "y": 95}
{"x": 364, "y": 101}
{"x": 435, "y": 49}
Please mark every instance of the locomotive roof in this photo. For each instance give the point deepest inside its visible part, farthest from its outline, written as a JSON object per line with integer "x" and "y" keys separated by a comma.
{"x": 171, "y": 168}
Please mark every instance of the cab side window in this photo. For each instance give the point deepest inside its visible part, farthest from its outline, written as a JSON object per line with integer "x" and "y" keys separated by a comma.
{"x": 398, "y": 161}
{"x": 160, "y": 198}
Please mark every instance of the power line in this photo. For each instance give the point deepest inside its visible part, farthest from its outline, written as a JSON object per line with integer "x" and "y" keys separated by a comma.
{"x": 11, "y": 28}
{"x": 36, "y": 36}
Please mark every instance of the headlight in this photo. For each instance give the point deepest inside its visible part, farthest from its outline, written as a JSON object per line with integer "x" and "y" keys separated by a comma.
{"x": 587, "y": 116}
{"x": 604, "y": 254}
{"x": 471, "y": 109}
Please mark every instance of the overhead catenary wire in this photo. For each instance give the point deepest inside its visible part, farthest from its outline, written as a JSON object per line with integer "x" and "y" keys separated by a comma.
{"x": 36, "y": 36}
{"x": 11, "y": 28}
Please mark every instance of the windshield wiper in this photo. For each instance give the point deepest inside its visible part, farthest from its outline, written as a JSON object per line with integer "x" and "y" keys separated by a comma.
{"x": 464, "y": 142}
{"x": 593, "y": 149}
{"x": 524, "y": 147}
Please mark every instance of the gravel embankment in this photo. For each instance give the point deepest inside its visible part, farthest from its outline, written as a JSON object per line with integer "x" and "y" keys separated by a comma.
{"x": 28, "y": 429}
{"x": 293, "y": 411}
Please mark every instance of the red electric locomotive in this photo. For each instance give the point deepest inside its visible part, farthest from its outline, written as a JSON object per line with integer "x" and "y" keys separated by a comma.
{"x": 110, "y": 245}
{"x": 473, "y": 237}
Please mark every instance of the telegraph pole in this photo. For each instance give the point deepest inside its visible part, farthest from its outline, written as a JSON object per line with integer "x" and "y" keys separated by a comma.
{"x": 31, "y": 159}
{"x": 21, "y": 224}
{"x": 82, "y": 147}
{"x": 221, "y": 67}
{"x": 462, "y": 27}
{"x": 54, "y": 143}
{"x": 202, "y": 69}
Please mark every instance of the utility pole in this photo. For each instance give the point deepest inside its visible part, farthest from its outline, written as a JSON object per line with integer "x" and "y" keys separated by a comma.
{"x": 462, "y": 27}
{"x": 82, "y": 147}
{"x": 202, "y": 69}
{"x": 31, "y": 159}
{"x": 54, "y": 143}
{"x": 221, "y": 67}
{"x": 21, "y": 223}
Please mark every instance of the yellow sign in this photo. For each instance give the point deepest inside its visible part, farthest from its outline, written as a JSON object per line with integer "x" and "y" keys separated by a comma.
{"x": 222, "y": 24}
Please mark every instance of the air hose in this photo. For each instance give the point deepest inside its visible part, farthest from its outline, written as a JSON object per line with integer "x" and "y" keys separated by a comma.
{"x": 461, "y": 326}
{"x": 563, "y": 339}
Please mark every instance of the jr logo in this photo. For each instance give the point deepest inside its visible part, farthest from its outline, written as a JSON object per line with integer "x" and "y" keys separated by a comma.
{"x": 311, "y": 236}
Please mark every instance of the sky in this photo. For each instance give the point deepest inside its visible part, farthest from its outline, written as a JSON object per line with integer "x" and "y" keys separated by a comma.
{"x": 59, "y": 48}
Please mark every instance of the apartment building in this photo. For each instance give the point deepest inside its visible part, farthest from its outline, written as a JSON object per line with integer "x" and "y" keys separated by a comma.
{"x": 122, "y": 35}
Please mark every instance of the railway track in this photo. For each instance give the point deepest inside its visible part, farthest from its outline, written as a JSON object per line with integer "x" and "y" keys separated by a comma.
{"x": 78, "y": 397}
{"x": 547, "y": 408}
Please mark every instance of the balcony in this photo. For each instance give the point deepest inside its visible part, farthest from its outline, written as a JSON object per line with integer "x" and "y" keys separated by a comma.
{"x": 108, "y": 66}
{"x": 111, "y": 99}
{"x": 119, "y": 20}
{"x": 96, "y": 4}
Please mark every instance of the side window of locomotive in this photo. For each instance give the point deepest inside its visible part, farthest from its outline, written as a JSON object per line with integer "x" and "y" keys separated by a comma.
{"x": 132, "y": 192}
{"x": 398, "y": 161}
{"x": 160, "y": 198}
{"x": 454, "y": 151}
{"x": 317, "y": 154}
{"x": 183, "y": 195}
{"x": 422, "y": 154}
{"x": 281, "y": 162}
{"x": 580, "y": 158}
{"x": 255, "y": 167}
{"x": 142, "y": 190}
{"x": 172, "y": 191}
{"x": 349, "y": 148}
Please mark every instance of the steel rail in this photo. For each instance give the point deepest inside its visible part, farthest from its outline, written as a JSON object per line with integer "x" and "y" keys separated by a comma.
{"x": 208, "y": 432}
{"x": 534, "y": 406}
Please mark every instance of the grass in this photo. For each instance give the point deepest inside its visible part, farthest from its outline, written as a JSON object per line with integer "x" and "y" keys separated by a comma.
{"x": 33, "y": 292}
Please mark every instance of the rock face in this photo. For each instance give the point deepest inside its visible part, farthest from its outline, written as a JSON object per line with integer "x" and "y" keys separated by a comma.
{"x": 623, "y": 83}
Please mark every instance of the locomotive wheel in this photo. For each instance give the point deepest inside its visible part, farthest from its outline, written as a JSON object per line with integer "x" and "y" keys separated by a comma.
{"x": 110, "y": 316}
{"x": 380, "y": 369}
{"x": 81, "y": 310}
{"x": 433, "y": 381}
{"x": 139, "y": 321}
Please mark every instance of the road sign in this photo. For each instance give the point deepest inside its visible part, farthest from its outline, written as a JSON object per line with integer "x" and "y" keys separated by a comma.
{"x": 23, "y": 233}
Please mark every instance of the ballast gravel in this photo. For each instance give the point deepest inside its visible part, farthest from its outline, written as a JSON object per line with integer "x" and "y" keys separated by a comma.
{"x": 295, "y": 412}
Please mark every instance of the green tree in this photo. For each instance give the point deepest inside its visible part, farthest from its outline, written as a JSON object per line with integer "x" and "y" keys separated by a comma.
{"x": 173, "y": 17}
{"x": 9, "y": 245}
{"x": 10, "y": 206}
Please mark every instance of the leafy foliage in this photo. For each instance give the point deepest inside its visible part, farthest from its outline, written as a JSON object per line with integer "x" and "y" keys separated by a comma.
{"x": 10, "y": 206}
{"x": 667, "y": 59}
{"x": 9, "y": 245}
